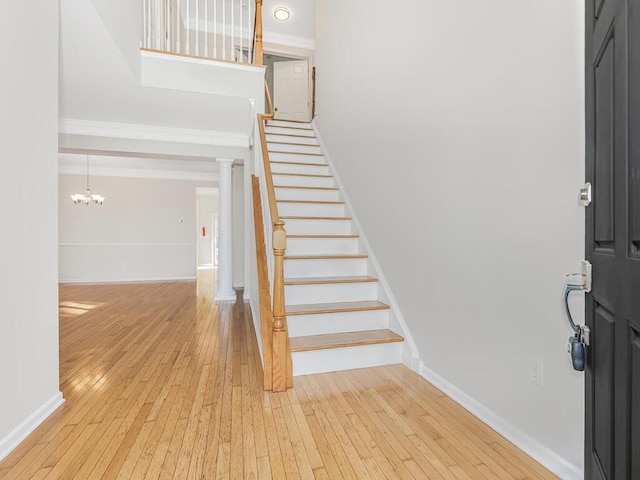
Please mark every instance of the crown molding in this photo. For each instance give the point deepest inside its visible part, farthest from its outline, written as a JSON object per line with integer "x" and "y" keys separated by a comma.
{"x": 138, "y": 173}
{"x": 72, "y": 126}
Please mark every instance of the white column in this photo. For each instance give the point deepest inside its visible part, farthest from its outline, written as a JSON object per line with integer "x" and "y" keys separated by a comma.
{"x": 225, "y": 253}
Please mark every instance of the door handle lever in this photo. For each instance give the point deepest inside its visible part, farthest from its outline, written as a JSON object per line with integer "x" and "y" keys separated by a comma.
{"x": 579, "y": 342}
{"x": 568, "y": 288}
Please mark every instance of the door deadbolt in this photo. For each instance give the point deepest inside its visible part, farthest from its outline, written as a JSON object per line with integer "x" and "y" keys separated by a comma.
{"x": 585, "y": 194}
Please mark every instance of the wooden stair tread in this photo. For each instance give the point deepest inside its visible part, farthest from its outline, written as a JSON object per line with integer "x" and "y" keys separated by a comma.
{"x": 338, "y": 307}
{"x": 294, "y": 143}
{"x": 274, "y": 119}
{"x": 290, "y": 134}
{"x": 314, "y": 175}
{"x": 325, "y": 235}
{"x": 312, "y": 201}
{"x": 326, "y": 257}
{"x": 305, "y": 188}
{"x": 293, "y": 217}
{"x": 298, "y": 153}
{"x": 341, "y": 340}
{"x": 328, "y": 280}
{"x": 294, "y": 128}
{"x": 306, "y": 164}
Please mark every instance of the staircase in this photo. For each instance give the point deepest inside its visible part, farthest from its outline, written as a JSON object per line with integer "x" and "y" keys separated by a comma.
{"x": 335, "y": 318}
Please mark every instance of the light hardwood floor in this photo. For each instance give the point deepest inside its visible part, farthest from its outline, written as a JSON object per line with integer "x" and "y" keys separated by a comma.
{"x": 160, "y": 382}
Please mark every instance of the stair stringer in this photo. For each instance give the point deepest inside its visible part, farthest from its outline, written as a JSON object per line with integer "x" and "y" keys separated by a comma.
{"x": 397, "y": 322}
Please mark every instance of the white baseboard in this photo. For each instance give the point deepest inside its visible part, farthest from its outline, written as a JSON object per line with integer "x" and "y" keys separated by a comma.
{"x": 71, "y": 281}
{"x": 547, "y": 457}
{"x": 22, "y": 431}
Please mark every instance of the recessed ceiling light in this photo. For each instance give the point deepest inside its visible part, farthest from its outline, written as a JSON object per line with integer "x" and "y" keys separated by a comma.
{"x": 282, "y": 13}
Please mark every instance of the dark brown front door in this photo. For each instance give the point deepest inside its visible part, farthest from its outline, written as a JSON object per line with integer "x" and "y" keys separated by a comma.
{"x": 612, "y": 433}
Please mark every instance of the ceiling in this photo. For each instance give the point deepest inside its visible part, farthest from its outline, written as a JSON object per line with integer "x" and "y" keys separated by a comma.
{"x": 301, "y": 24}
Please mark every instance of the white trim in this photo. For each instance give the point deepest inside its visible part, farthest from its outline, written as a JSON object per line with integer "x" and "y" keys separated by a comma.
{"x": 547, "y": 457}
{"x": 126, "y": 244}
{"x": 29, "y": 424}
{"x": 412, "y": 359}
{"x": 225, "y": 297}
{"x": 228, "y": 64}
{"x": 290, "y": 40}
{"x": 125, "y": 281}
{"x": 73, "y": 126}
{"x": 98, "y": 171}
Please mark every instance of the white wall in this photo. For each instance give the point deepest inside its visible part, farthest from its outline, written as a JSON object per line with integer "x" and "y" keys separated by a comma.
{"x": 458, "y": 133}
{"x": 123, "y": 19}
{"x": 28, "y": 210}
{"x": 135, "y": 235}
{"x": 207, "y": 206}
{"x": 237, "y": 207}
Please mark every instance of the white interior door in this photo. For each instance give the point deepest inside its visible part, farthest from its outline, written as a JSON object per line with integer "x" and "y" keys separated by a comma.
{"x": 291, "y": 90}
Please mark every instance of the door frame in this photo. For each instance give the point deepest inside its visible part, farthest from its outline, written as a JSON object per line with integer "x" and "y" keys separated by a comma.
{"x": 295, "y": 54}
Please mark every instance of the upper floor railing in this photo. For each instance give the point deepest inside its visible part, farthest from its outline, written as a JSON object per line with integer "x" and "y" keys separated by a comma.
{"x": 229, "y": 30}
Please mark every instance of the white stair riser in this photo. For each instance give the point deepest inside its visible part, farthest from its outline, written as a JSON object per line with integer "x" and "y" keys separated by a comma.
{"x": 281, "y": 147}
{"x": 329, "y": 293}
{"x": 304, "y": 169}
{"x": 285, "y": 139}
{"x": 290, "y": 131}
{"x": 302, "y": 181}
{"x": 325, "y": 323}
{"x": 292, "y": 157}
{"x": 322, "y": 246}
{"x": 287, "y": 123}
{"x": 317, "y": 227}
{"x": 305, "y": 194}
{"x": 311, "y": 209}
{"x": 325, "y": 267}
{"x": 336, "y": 359}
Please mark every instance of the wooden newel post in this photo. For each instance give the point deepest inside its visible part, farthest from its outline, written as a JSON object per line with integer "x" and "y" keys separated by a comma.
{"x": 280, "y": 335}
{"x": 259, "y": 46}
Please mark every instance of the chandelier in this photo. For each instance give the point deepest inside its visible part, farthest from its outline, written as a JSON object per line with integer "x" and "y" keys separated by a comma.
{"x": 87, "y": 197}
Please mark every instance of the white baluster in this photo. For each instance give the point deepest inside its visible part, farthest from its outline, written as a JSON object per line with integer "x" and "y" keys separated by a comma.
{"x": 250, "y": 34}
{"x": 157, "y": 29}
{"x": 206, "y": 28}
{"x": 215, "y": 29}
{"x": 178, "y": 27}
{"x": 167, "y": 26}
{"x": 145, "y": 16}
{"x": 233, "y": 25}
{"x": 197, "y": 49}
{"x": 241, "y": 30}
{"x": 224, "y": 30}
{"x": 187, "y": 34}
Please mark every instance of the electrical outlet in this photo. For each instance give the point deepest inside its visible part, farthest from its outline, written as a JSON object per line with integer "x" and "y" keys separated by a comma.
{"x": 535, "y": 370}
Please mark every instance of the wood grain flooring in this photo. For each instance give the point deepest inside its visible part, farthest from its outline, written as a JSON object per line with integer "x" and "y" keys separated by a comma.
{"x": 161, "y": 383}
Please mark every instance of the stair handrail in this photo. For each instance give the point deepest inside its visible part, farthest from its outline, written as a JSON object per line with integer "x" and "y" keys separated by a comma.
{"x": 278, "y": 370}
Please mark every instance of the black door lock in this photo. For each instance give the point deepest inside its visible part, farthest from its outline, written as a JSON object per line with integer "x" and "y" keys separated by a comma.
{"x": 577, "y": 343}
{"x": 578, "y": 352}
